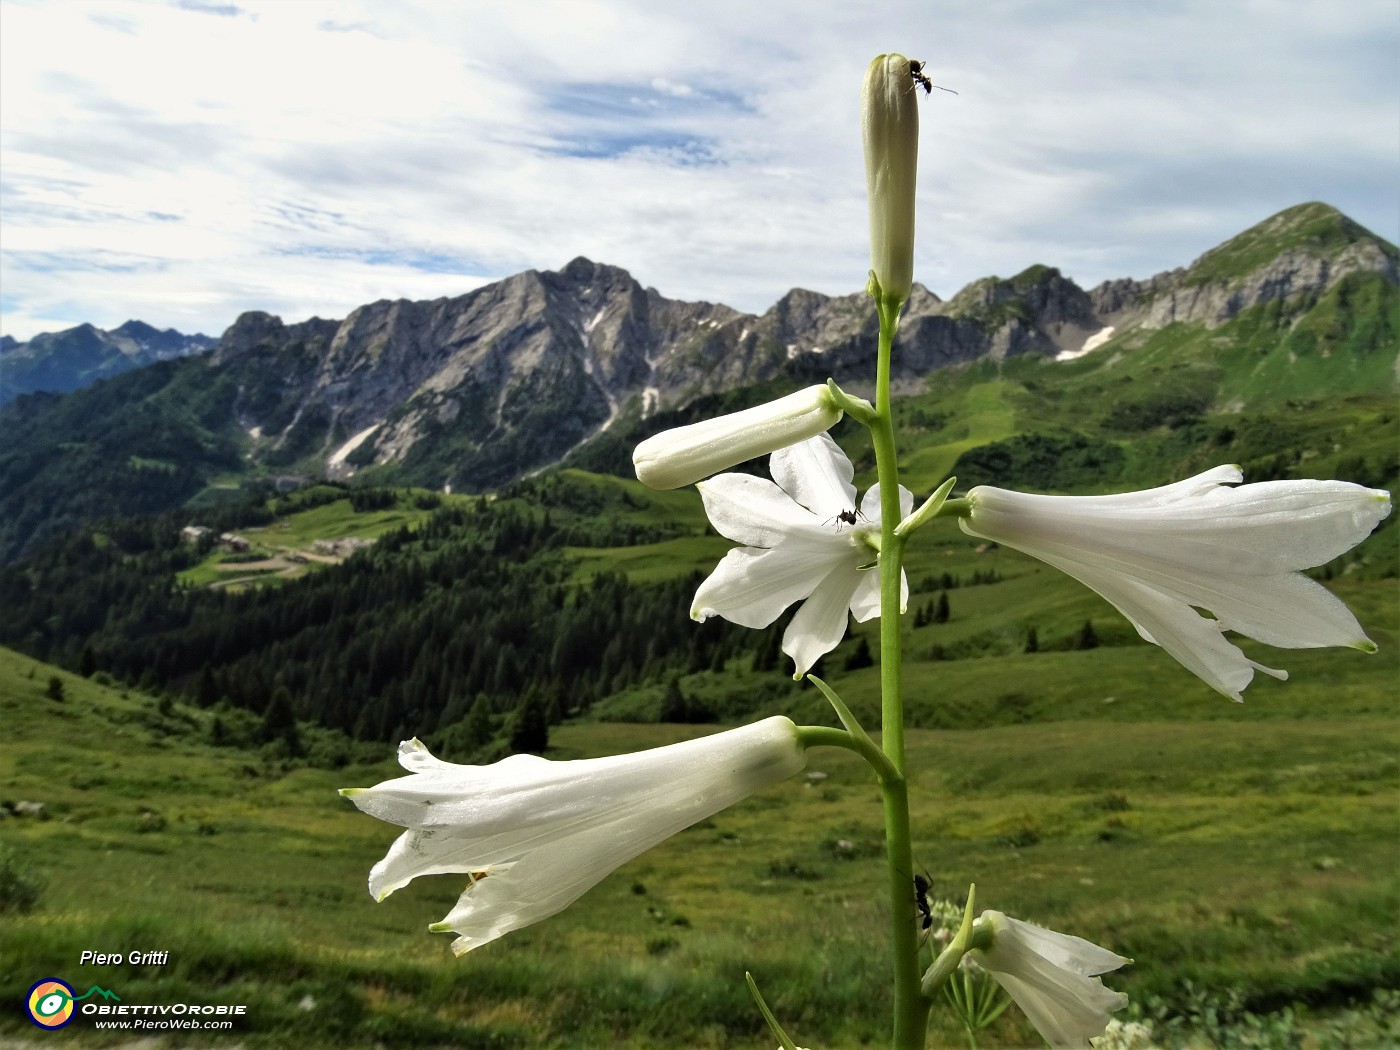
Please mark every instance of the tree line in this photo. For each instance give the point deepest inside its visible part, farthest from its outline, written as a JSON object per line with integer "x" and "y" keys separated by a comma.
{"x": 477, "y": 609}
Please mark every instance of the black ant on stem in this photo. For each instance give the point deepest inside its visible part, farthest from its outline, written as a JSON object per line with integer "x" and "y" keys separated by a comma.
{"x": 921, "y": 888}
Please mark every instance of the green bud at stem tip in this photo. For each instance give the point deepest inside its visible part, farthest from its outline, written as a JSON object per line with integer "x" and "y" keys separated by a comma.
{"x": 889, "y": 125}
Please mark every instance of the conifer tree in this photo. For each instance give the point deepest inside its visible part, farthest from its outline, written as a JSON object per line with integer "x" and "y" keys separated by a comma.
{"x": 531, "y": 731}
{"x": 279, "y": 721}
{"x": 860, "y": 656}
{"x": 478, "y": 724}
{"x": 673, "y": 703}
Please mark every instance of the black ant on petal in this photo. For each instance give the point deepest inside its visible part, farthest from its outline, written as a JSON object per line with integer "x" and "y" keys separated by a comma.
{"x": 846, "y": 517}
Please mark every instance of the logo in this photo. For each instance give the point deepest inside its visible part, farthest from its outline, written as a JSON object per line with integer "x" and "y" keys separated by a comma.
{"x": 50, "y": 1001}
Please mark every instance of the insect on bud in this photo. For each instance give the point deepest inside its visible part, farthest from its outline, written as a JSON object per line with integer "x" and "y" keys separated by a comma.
{"x": 890, "y": 130}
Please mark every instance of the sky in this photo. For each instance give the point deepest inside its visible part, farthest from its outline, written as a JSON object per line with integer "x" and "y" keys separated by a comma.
{"x": 182, "y": 161}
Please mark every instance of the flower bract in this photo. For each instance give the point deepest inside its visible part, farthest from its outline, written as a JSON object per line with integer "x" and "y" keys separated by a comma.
{"x": 533, "y": 835}
{"x": 1203, "y": 543}
{"x": 806, "y": 540}
{"x": 1052, "y": 977}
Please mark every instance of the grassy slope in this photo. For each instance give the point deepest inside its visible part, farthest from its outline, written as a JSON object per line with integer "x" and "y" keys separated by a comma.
{"x": 1229, "y": 850}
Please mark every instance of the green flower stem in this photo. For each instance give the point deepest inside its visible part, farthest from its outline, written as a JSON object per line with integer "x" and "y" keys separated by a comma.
{"x": 910, "y": 1006}
{"x": 826, "y": 736}
{"x": 856, "y": 407}
{"x": 959, "y": 508}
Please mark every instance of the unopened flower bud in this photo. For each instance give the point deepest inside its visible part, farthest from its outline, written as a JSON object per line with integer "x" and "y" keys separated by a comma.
{"x": 688, "y": 454}
{"x": 890, "y": 129}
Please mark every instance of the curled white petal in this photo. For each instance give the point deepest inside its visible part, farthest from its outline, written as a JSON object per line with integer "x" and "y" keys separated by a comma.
{"x": 534, "y": 835}
{"x": 1052, "y": 977}
{"x": 688, "y": 454}
{"x": 1202, "y": 543}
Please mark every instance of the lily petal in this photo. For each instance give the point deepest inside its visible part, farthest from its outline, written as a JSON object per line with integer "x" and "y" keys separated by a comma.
{"x": 752, "y": 587}
{"x": 870, "y": 503}
{"x": 817, "y": 474}
{"x": 820, "y": 624}
{"x": 1053, "y": 978}
{"x": 756, "y": 512}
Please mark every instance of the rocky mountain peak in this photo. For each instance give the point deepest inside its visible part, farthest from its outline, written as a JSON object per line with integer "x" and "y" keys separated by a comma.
{"x": 1298, "y": 253}
{"x": 251, "y": 329}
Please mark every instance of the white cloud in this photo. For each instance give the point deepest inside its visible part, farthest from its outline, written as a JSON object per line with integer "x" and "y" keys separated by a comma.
{"x": 183, "y": 162}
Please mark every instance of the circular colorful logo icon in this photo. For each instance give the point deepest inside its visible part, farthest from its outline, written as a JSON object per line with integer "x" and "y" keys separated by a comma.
{"x": 50, "y": 1003}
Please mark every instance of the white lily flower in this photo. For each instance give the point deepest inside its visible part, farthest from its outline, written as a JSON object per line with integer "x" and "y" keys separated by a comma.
{"x": 889, "y": 124}
{"x": 1052, "y": 977}
{"x": 1160, "y": 554}
{"x": 684, "y": 455}
{"x": 806, "y": 542}
{"x": 533, "y": 835}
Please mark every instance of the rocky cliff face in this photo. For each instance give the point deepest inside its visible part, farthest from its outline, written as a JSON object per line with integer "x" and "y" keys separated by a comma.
{"x": 475, "y": 390}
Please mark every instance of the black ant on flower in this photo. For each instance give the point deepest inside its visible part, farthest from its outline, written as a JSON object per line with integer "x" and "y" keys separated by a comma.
{"x": 846, "y": 517}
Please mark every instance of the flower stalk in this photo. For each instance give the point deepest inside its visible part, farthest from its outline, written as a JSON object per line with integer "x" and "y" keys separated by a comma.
{"x": 910, "y": 1006}
{"x": 890, "y": 135}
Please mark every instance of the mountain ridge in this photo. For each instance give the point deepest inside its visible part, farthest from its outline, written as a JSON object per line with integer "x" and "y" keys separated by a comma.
{"x": 468, "y": 369}
{"x": 474, "y": 391}
{"x": 64, "y": 361}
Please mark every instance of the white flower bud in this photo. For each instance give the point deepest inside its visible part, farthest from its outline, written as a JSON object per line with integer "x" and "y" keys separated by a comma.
{"x": 889, "y": 125}
{"x": 688, "y": 454}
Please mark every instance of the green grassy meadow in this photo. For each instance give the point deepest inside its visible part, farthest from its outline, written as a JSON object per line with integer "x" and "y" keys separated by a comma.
{"x": 1244, "y": 847}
